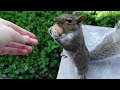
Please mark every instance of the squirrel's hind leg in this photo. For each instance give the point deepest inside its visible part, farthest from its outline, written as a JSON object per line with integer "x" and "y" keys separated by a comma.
{"x": 83, "y": 77}
{"x": 78, "y": 75}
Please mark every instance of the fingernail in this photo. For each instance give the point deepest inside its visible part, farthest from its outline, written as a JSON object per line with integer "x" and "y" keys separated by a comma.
{"x": 36, "y": 42}
{"x": 29, "y": 48}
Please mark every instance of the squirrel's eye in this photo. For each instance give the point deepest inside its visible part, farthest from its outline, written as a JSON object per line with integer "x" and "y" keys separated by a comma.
{"x": 68, "y": 20}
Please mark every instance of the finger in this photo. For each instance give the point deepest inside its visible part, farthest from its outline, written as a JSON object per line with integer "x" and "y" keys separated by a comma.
{"x": 17, "y": 37}
{"x": 12, "y": 51}
{"x": 19, "y": 46}
{"x": 17, "y": 28}
{"x": 9, "y": 35}
{"x": 30, "y": 40}
{"x": 23, "y": 39}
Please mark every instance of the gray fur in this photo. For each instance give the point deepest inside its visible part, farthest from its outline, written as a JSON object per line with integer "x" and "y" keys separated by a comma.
{"x": 73, "y": 42}
{"x": 74, "y": 45}
{"x": 108, "y": 47}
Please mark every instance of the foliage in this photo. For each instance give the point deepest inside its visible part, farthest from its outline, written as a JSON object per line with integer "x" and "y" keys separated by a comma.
{"x": 43, "y": 62}
{"x": 107, "y": 18}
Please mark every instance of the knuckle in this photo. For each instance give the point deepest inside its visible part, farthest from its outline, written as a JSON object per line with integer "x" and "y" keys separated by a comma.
{"x": 3, "y": 51}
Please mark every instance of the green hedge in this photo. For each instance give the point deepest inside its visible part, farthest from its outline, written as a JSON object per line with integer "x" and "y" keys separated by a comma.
{"x": 43, "y": 62}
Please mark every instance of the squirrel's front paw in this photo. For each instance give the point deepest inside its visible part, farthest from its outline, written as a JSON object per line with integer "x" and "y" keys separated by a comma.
{"x": 49, "y": 30}
{"x": 53, "y": 33}
{"x": 63, "y": 55}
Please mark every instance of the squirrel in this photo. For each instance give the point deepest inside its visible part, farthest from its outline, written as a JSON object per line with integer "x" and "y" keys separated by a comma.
{"x": 109, "y": 45}
{"x": 71, "y": 38}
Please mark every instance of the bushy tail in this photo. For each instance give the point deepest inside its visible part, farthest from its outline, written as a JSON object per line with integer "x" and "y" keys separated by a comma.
{"x": 109, "y": 46}
{"x": 117, "y": 26}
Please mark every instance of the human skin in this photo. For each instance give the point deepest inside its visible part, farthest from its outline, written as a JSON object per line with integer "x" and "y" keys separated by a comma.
{"x": 13, "y": 39}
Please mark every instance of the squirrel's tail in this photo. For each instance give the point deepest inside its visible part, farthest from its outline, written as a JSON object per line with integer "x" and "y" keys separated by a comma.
{"x": 109, "y": 46}
{"x": 117, "y": 26}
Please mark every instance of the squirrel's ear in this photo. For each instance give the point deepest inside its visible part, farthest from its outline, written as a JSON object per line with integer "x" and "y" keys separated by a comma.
{"x": 64, "y": 12}
{"x": 80, "y": 19}
{"x": 74, "y": 12}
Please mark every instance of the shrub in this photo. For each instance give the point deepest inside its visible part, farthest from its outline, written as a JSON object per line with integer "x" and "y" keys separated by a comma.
{"x": 107, "y": 18}
{"x": 43, "y": 62}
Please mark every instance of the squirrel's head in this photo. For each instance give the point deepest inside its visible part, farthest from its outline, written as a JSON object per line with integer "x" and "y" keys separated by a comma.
{"x": 69, "y": 22}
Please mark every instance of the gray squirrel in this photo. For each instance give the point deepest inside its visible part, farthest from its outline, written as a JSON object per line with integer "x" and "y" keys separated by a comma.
{"x": 71, "y": 38}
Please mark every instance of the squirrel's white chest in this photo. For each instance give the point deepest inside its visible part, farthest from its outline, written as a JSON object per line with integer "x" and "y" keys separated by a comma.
{"x": 67, "y": 37}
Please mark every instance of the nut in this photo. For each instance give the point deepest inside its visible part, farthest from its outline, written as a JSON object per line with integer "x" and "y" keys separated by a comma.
{"x": 58, "y": 29}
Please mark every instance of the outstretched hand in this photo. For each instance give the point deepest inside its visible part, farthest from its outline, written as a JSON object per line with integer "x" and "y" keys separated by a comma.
{"x": 13, "y": 39}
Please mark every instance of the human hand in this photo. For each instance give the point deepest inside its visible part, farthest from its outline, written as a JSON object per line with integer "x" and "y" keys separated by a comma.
{"x": 13, "y": 39}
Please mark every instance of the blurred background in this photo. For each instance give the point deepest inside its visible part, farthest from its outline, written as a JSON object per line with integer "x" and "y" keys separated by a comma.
{"x": 43, "y": 62}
